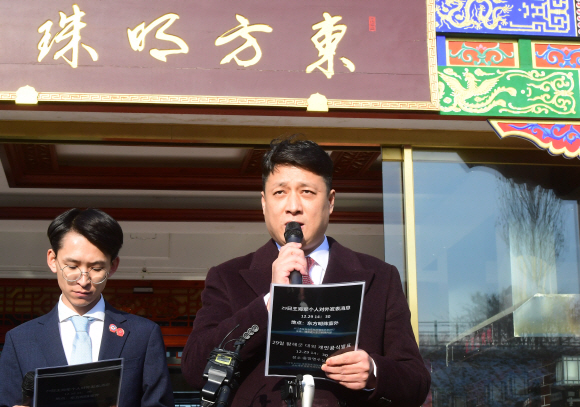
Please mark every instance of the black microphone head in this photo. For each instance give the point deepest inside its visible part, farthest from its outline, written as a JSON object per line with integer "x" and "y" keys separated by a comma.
{"x": 28, "y": 382}
{"x": 28, "y": 389}
{"x": 293, "y": 233}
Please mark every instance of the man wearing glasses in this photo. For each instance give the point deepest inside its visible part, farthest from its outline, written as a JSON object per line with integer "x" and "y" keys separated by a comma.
{"x": 83, "y": 327}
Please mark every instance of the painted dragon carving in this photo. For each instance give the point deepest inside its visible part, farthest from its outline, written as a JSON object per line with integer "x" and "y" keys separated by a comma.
{"x": 472, "y": 13}
{"x": 513, "y": 91}
{"x": 478, "y": 92}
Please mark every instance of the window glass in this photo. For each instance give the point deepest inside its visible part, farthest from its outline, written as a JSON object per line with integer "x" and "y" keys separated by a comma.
{"x": 393, "y": 216}
{"x": 498, "y": 281}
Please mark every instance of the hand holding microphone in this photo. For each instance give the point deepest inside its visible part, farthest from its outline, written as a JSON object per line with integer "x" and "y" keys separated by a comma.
{"x": 291, "y": 259}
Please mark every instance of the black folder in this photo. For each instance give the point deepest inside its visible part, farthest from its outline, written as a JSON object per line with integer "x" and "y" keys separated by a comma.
{"x": 96, "y": 384}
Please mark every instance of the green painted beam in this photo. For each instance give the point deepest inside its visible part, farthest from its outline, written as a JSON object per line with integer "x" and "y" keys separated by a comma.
{"x": 513, "y": 92}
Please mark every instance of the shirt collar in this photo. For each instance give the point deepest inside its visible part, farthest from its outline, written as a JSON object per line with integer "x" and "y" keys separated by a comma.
{"x": 320, "y": 254}
{"x": 97, "y": 312}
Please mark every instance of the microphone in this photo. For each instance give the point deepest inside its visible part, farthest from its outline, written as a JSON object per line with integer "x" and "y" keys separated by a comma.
{"x": 28, "y": 388}
{"x": 293, "y": 234}
{"x": 307, "y": 390}
{"x": 223, "y": 396}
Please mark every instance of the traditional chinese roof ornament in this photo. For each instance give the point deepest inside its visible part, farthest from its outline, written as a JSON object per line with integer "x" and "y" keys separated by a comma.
{"x": 26, "y": 95}
{"x": 558, "y": 138}
{"x": 317, "y": 103}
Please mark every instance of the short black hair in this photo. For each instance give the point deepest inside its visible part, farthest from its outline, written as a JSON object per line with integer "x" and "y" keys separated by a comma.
{"x": 303, "y": 154}
{"x": 96, "y": 226}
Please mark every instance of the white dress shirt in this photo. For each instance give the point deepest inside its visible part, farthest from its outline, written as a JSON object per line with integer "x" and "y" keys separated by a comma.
{"x": 95, "y": 328}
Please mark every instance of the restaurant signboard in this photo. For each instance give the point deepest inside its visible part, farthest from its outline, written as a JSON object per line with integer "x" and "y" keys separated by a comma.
{"x": 341, "y": 53}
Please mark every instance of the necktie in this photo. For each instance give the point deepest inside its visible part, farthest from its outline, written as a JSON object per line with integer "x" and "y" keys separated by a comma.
{"x": 309, "y": 263}
{"x": 81, "y": 351}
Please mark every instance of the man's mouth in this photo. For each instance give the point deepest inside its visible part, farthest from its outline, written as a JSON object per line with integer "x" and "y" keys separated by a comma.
{"x": 300, "y": 223}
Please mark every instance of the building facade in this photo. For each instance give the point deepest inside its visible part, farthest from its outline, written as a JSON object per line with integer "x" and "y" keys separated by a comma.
{"x": 453, "y": 125}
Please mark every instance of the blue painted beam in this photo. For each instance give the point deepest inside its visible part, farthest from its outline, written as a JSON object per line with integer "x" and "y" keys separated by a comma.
{"x": 441, "y": 51}
{"x": 517, "y": 17}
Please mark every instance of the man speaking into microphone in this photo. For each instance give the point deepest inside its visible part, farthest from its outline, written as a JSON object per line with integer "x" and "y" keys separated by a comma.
{"x": 387, "y": 368}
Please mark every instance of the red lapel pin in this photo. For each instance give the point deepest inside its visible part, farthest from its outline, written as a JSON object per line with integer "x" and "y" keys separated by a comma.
{"x": 112, "y": 327}
{"x": 120, "y": 332}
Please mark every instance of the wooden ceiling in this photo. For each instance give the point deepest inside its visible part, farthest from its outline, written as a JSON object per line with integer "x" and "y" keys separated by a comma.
{"x": 37, "y": 166}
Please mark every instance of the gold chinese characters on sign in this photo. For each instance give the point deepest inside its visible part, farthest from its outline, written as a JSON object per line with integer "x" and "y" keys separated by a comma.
{"x": 71, "y": 28}
{"x": 243, "y": 30}
{"x": 325, "y": 41}
{"x": 138, "y": 34}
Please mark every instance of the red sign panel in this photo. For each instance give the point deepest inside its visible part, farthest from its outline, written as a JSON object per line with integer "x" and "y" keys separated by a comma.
{"x": 556, "y": 55}
{"x": 221, "y": 52}
{"x": 482, "y": 53}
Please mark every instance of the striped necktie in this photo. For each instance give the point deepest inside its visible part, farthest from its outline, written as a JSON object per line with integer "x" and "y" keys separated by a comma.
{"x": 309, "y": 263}
{"x": 81, "y": 351}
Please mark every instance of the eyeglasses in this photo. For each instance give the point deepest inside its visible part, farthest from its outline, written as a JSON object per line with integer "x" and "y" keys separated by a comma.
{"x": 96, "y": 275}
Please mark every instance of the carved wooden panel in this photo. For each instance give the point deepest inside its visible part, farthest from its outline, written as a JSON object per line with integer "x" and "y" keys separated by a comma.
{"x": 40, "y": 157}
{"x": 253, "y": 162}
{"x": 354, "y": 164}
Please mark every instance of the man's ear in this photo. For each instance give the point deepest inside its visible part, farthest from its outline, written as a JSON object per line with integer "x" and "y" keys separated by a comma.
{"x": 114, "y": 266}
{"x": 51, "y": 260}
{"x": 263, "y": 204}
{"x": 331, "y": 197}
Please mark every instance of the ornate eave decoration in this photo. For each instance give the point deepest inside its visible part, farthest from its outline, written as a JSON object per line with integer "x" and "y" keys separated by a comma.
{"x": 558, "y": 138}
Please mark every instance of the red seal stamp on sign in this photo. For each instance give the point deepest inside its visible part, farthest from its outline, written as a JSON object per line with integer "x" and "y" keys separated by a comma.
{"x": 112, "y": 327}
{"x": 372, "y": 24}
{"x": 120, "y": 332}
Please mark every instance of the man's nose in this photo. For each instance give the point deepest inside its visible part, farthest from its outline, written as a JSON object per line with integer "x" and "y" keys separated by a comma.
{"x": 293, "y": 203}
{"x": 84, "y": 280}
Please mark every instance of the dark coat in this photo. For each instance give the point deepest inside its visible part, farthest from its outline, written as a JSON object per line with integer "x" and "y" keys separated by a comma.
{"x": 37, "y": 344}
{"x": 234, "y": 294}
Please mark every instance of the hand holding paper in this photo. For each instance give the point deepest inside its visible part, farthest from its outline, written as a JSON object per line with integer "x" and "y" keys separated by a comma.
{"x": 353, "y": 370}
{"x": 309, "y": 324}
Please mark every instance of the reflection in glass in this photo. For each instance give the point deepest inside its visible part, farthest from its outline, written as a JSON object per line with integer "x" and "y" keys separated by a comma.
{"x": 532, "y": 225}
{"x": 498, "y": 281}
